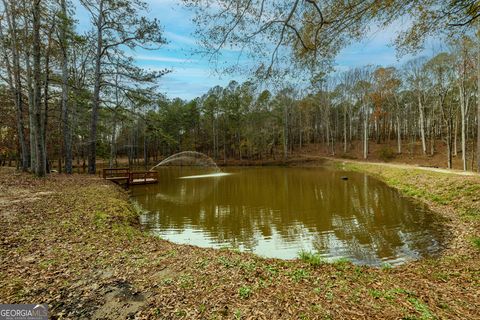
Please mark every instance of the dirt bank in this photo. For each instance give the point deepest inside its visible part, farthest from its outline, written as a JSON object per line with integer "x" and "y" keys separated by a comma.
{"x": 73, "y": 242}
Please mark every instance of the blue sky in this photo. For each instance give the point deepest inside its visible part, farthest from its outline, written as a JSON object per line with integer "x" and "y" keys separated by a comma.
{"x": 192, "y": 75}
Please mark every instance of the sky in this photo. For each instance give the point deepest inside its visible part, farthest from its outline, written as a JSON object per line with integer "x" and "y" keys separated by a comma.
{"x": 192, "y": 75}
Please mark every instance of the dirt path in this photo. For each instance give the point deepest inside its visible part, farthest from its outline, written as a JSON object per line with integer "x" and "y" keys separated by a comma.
{"x": 407, "y": 167}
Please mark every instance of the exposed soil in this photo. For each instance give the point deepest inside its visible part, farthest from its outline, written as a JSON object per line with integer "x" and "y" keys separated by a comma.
{"x": 73, "y": 242}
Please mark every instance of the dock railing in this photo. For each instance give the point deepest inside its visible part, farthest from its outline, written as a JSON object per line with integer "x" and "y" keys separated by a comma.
{"x": 128, "y": 177}
{"x": 112, "y": 173}
{"x": 143, "y": 177}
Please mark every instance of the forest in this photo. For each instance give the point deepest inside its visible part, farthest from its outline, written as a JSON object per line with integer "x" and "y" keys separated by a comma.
{"x": 70, "y": 98}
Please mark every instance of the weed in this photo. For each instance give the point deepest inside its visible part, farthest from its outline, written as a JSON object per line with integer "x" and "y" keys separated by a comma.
{"x": 271, "y": 270}
{"x": 247, "y": 266}
{"x": 358, "y": 271}
{"x": 202, "y": 263}
{"x": 245, "y": 292}
{"x": 342, "y": 264}
{"x": 386, "y": 266}
{"x": 476, "y": 242}
{"x": 238, "y": 314}
{"x": 421, "y": 308}
{"x": 227, "y": 262}
{"x": 375, "y": 293}
{"x": 443, "y": 276}
{"x": 124, "y": 230}
{"x": 314, "y": 259}
{"x": 100, "y": 218}
{"x": 167, "y": 281}
{"x": 186, "y": 281}
{"x": 329, "y": 295}
{"x": 299, "y": 275}
{"x": 180, "y": 313}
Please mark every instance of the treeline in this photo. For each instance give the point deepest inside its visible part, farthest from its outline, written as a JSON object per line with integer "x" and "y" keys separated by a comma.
{"x": 431, "y": 101}
{"x": 58, "y": 86}
{"x": 70, "y": 97}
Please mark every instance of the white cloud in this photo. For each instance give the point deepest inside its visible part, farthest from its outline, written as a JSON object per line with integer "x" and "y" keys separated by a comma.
{"x": 180, "y": 38}
{"x": 163, "y": 59}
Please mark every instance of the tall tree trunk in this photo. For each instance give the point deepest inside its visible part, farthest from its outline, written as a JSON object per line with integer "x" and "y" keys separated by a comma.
{"x": 67, "y": 140}
{"x": 365, "y": 132}
{"x": 40, "y": 166}
{"x": 399, "y": 135}
{"x": 92, "y": 149}
{"x": 463, "y": 108}
{"x": 46, "y": 85}
{"x": 27, "y": 54}
{"x": 285, "y": 131}
{"x": 145, "y": 150}
{"x": 478, "y": 98}
{"x": 31, "y": 112}
{"x": 422, "y": 125}
{"x": 16, "y": 83}
{"x": 455, "y": 136}
{"x": 449, "y": 145}
{"x": 345, "y": 130}
{"x": 113, "y": 145}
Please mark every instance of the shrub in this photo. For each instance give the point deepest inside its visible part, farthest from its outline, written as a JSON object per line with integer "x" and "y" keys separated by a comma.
{"x": 386, "y": 154}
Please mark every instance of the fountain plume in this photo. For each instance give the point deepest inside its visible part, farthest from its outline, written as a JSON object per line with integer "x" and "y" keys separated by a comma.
{"x": 188, "y": 158}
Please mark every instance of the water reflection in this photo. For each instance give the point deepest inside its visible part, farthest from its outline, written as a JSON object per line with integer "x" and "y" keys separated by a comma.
{"x": 276, "y": 212}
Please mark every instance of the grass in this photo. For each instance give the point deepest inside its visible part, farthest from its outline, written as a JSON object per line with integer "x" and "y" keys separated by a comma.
{"x": 245, "y": 292}
{"x": 298, "y": 275}
{"x": 313, "y": 259}
{"x": 476, "y": 242}
{"x": 422, "y": 309}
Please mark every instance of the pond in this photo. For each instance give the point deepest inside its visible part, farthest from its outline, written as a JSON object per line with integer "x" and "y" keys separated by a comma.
{"x": 279, "y": 211}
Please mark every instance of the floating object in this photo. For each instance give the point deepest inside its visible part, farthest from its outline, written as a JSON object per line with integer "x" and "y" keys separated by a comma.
{"x": 344, "y": 178}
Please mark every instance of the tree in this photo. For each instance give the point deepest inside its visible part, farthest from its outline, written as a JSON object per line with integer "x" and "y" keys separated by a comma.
{"x": 277, "y": 31}
{"x": 11, "y": 43}
{"x": 442, "y": 77}
{"x": 416, "y": 78}
{"x": 40, "y": 161}
{"x": 118, "y": 25}
{"x": 63, "y": 40}
{"x": 465, "y": 75}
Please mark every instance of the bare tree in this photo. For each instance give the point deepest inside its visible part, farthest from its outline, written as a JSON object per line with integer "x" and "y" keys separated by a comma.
{"x": 117, "y": 25}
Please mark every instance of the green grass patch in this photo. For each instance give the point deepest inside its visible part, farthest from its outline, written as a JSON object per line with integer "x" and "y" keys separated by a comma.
{"x": 226, "y": 262}
{"x": 299, "y": 274}
{"x": 422, "y": 308}
{"x": 342, "y": 264}
{"x": 100, "y": 218}
{"x": 245, "y": 292}
{"x": 313, "y": 259}
{"x": 476, "y": 242}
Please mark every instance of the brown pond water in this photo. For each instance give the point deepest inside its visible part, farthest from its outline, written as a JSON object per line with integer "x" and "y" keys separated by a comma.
{"x": 278, "y": 211}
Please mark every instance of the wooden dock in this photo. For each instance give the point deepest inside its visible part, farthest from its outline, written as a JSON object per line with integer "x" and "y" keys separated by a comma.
{"x": 126, "y": 177}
